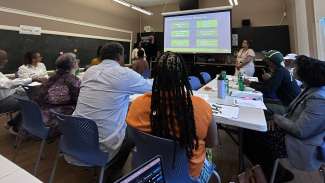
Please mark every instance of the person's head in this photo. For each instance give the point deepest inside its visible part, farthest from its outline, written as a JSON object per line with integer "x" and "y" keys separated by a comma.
{"x": 113, "y": 51}
{"x": 98, "y": 50}
{"x": 289, "y": 60}
{"x": 310, "y": 71}
{"x": 171, "y": 104}
{"x": 245, "y": 44}
{"x": 140, "y": 54}
{"x": 67, "y": 63}
{"x": 274, "y": 59}
{"x": 139, "y": 44}
{"x": 3, "y": 58}
{"x": 32, "y": 58}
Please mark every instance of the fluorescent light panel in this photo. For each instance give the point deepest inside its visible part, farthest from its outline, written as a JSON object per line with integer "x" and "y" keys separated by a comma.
{"x": 231, "y": 3}
{"x": 123, "y": 3}
{"x": 141, "y": 10}
{"x": 133, "y": 7}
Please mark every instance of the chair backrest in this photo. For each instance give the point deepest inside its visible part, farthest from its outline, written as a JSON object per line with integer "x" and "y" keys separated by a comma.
{"x": 206, "y": 77}
{"x": 174, "y": 159}
{"x": 195, "y": 82}
{"x": 146, "y": 74}
{"x": 79, "y": 139}
{"x": 32, "y": 118}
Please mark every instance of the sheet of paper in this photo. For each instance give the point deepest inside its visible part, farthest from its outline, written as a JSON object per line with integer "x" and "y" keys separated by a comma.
{"x": 253, "y": 95}
{"x": 229, "y": 112}
{"x": 135, "y": 96}
{"x": 258, "y": 104}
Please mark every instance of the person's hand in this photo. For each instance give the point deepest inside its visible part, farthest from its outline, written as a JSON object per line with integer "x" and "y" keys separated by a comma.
{"x": 247, "y": 82}
{"x": 38, "y": 79}
{"x": 266, "y": 76}
{"x": 238, "y": 66}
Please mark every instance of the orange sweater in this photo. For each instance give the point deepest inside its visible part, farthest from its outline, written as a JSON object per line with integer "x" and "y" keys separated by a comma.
{"x": 139, "y": 118}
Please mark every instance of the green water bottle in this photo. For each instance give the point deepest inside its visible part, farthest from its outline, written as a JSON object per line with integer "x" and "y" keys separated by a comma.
{"x": 241, "y": 85}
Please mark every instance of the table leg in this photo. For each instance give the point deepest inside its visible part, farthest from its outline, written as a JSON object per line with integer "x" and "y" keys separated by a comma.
{"x": 240, "y": 150}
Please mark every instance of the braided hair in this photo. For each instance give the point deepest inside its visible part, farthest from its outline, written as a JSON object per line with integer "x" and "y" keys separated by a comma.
{"x": 172, "y": 113}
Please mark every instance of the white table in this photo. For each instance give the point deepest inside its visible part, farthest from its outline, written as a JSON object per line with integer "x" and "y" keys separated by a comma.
{"x": 249, "y": 118}
{"x": 10, "y": 173}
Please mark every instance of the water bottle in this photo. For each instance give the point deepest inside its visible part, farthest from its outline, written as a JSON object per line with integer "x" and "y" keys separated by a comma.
{"x": 241, "y": 85}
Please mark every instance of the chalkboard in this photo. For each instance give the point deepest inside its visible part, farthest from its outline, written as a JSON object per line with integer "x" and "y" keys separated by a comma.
{"x": 50, "y": 46}
{"x": 265, "y": 38}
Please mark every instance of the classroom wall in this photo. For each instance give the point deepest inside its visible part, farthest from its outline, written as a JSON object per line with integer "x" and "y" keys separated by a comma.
{"x": 100, "y": 12}
{"x": 319, "y": 6}
{"x": 264, "y": 13}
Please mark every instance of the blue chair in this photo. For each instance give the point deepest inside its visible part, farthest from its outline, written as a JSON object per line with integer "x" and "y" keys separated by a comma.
{"x": 194, "y": 82}
{"x": 79, "y": 140}
{"x": 206, "y": 77}
{"x": 32, "y": 124}
{"x": 174, "y": 159}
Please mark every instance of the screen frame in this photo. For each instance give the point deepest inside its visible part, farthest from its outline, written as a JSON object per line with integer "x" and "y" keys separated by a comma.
{"x": 205, "y": 12}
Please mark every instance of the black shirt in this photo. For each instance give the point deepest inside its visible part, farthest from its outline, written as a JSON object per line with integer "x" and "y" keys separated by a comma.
{"x": 282, "y": 84}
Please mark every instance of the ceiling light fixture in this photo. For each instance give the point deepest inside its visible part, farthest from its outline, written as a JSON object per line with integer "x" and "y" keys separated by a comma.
{"x": 231, "y": 3}
{"x": 133, "y": 7}
{"x": 123, "y": 3}
{"x": 141, "y": 10}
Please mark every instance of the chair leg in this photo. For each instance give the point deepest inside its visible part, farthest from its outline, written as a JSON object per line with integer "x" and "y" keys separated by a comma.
{"x": 275, "y": 169}
{"x": 18, "y": 142}
{"x": 39, "y": 157}
{"x": 54, "y": 166}
{"x": 101, "y": 175}
{"x": 216, "y": 174}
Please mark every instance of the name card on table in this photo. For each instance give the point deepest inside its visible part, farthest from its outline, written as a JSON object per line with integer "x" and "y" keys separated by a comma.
{"x": 31, "y": 30}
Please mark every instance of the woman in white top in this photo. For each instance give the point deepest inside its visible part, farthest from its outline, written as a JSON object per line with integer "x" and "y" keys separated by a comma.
{"x": 33, "y": 68}
{"x": 134, "y": 55}
{"x": 245, "y": 60}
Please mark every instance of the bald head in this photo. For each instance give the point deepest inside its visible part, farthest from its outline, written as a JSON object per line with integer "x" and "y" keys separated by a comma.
{"x": 3, "y": 58}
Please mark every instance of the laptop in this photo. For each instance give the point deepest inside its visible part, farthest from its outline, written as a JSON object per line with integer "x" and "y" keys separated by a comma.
{"x": 149, "y": 172}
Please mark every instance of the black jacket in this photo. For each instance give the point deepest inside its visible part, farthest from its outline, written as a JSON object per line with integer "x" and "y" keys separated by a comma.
{"x": 281, "y": 83}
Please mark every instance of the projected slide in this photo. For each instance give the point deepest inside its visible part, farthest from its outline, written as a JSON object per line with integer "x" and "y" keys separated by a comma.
{"x": 198, "y": 33}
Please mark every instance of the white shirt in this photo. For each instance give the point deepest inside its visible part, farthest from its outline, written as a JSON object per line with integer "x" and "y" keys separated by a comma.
{"x": 248, "y": 69}
{"x": 134, "y": 54}
{"x": 8, "y": 86}
{"x": 104, "y": 98}
{"x": 29, "y": 71}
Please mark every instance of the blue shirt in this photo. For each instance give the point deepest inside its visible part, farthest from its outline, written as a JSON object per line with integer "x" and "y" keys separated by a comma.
{"x": 104, "y": 98}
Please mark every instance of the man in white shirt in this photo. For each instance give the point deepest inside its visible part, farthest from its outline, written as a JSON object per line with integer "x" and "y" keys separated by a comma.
{"x": 104, "y": 98}
{"x": 8, "y": 87}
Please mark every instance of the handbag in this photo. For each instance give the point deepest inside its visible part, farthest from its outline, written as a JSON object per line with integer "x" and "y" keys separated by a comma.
{"x": 253, "y": 175}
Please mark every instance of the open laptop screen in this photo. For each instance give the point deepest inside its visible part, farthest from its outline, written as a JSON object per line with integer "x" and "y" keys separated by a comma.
{"x": 150, "y": 172}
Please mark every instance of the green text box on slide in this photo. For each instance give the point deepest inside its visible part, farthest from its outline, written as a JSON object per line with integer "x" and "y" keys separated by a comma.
{"x": 207, "y": 24}
{"x": 197, "y": 50}
{"x": 181, "y": 25}
{"x": 180, "y": 43}
{"x": 211, "y": 33}
{"x": 207, "y": 43}
{"x": 180, "y": 33}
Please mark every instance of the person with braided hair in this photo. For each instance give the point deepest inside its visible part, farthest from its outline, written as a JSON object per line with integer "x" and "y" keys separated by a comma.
{"x": 171, "y": 111}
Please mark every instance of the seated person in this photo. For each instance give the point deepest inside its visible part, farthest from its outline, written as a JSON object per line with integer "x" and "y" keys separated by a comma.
{"x": 61, "y": 91}
{"x": 141, "y": 65}
{"x": 281, "y": 83}
{"x": 305, "y": 119}
{"x": 289, "y": 62}
{"x": 171, "y": 111}
{"x": 8, "y": 89}
{"x": 104, "y": 98}
{"x": 33, "y": 67}
{"x": 96, "y": 60}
